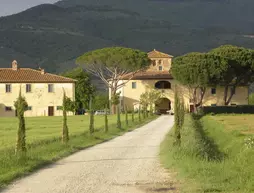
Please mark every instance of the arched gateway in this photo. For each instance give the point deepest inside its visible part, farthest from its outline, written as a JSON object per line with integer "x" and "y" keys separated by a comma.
{"x": 163, "y": 105}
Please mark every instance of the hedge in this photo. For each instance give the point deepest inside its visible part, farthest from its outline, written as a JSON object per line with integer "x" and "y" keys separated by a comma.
{"x": 237, "y": 109}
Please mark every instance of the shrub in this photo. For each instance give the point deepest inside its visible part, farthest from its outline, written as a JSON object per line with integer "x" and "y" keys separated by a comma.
{"x": 238, "y": 109}
{"x": 21, "y": 106}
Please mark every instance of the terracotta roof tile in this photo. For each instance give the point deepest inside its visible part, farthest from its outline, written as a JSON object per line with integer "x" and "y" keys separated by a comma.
{"x": 28, "y": 75}
{"x": 157, "y": 54}
{"x": 150, "y": 75}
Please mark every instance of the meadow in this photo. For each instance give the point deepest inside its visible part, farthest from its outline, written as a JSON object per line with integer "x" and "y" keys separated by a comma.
{"x": 213, "y": 156}
{"x": 44, "y": 143}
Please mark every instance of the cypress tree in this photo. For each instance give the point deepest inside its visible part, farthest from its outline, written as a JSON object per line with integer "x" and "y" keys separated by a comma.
{"x": 91, "y": 124}
{"x": 139, "y": 115}
{"x": 21, "y": 106}
{"x": 118, "y": 124}
{"x": 65, "y": 132}
{"x": 126, "y": 116}
{"x": 106, "y": 120}
{"x": 177, "y": 117}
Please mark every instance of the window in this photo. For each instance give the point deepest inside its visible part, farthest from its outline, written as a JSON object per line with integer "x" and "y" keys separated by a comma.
{"x": 59, "y": 108}
{"x": 29, "y": 108}
{"x": 50, "y": 88}
{"x": 162, "y": 85}
{"x": 213, "y": 90}
{"x": 28, "y": 87}
{"x": 233, "y": 104}
{"x": 8, "y": 88}
{"x": 160, "y": 68}
{"x": 134, "y": 85}
{"x": 232, "y": 90}
{"x": 159, "y": 61}
{"x": 213, "y": 105}
{"x": 8, "y": 109}
{"x": 154, "y": 63}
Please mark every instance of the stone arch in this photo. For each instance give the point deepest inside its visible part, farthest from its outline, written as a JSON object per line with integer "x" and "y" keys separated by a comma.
{"x": 163, "y": 105}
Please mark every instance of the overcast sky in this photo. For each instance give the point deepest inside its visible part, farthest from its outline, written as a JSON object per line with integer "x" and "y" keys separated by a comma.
{"x": 8, "y": 7}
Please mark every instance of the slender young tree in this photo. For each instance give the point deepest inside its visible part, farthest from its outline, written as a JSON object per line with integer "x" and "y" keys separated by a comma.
{"x": 106, "y": 119}
{"x": 65, "y": 131}
{"x": 21, "y": 106}
{"x": 91, "y": 124}
{"x": 126, "y": 116}
{"x": 177, "y": 117}
{"x": 118, "y": 123}
{"x": 132, "y": 116}
{"x": 139, "y": 114}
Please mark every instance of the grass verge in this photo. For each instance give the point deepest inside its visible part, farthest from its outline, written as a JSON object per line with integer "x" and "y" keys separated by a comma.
{"x": 211, "y": 158}
{"x": 45, "y": 152}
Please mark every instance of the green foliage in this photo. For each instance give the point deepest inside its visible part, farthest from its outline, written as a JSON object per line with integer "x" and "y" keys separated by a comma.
{"x": 100, "y": 101}
{"x": 133, "y": 116}
{"x": 83, "y": 87}
{"x": 118, "y": 123}
{"x": 106, "y": 120}
{"x": 177, "y": 117}
{"x": 238, "y": 109}
{"x": 65, "y": 131}
{"x": 21, "y": 106}
{"x": 251, "y": 99}
{"x": 239, "y": 69}
{"x": 118, "y": 58}
{"x": 197, "y": 71}
{"x": 149, "y": 98}
{"x": 115, "y": 99}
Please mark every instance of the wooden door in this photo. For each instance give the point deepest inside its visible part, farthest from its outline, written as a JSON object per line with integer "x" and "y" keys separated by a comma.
{"x": 191, "y": 108}
{"x": 51, "y": 111}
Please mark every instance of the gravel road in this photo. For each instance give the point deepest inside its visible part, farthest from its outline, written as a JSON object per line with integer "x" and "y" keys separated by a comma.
{"x": 126, "y": 164}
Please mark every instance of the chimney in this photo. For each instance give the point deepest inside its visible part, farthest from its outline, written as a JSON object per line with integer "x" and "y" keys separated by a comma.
{"x": 14, "y": 65}
{"x": 42, "y": 71}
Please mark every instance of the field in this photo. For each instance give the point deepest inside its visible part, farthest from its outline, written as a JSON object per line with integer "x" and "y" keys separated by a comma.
{"x": 213, "y": 156}
{"x": 45, "y": 128}
{"x": 44, "y": 145}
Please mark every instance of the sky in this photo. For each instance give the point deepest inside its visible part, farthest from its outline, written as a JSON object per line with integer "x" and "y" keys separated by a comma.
{"x": 8, "y": 7}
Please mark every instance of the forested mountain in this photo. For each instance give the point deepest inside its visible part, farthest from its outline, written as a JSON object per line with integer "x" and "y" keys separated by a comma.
{"x": 52, "y": 36}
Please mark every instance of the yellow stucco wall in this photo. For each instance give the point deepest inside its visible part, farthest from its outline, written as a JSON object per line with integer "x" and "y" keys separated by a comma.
{"x": 39, "y": 98}
{"x": 164, "y": 62}
{"x": 131, "y": 96}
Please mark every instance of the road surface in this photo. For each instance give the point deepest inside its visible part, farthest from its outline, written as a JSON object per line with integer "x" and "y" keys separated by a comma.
{"x": 126, "y": 164}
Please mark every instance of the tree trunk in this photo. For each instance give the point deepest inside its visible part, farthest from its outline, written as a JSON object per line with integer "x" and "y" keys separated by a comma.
{"x": 113, "y": 105}
{"x": 195, "y": 100}
{"x": 225, "y": 94}
{"x": 231, "y": 95}
{"x": 202, "y": 94}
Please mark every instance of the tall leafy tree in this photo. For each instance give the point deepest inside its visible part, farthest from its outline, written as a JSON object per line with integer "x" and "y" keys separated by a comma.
{"x": 21, "y": 106}
{"x": 240, "y": 68}
{"x": 83, "y": 87}
{"x": 113, "y": 64}
{"x": 197, "y": 71}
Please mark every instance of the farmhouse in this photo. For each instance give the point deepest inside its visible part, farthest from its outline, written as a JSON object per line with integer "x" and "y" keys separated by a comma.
{"x": 43, "y": 91}
{"x": 158, "y": 76}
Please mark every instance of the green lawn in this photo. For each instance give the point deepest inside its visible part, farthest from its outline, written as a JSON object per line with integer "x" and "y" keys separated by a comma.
{"x": 46, "y": 128}
{"x": 43, "y": 137}
{"x": 213, "y": 156}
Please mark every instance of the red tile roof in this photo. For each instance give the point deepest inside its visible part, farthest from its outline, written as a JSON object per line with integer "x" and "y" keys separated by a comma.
{"x": 157, "y": 54}
{"x": 28, "y": 75}
{"x": 145, "y": 75}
